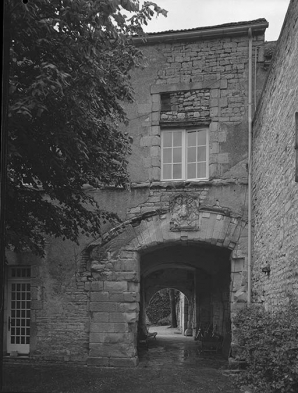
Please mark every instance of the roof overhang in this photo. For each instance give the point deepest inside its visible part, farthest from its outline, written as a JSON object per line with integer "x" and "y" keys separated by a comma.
{"x": 257, "y": 28}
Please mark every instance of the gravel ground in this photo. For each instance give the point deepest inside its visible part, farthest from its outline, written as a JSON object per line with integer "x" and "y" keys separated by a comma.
{"x": 74, "y": 379}
{"x": 171, "y": 365}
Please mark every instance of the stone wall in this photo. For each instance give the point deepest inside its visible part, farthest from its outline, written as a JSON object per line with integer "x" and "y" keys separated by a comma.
{"x": 86, "y": 298}
{"x": 182, "y": 106}
{"x": 212, "y": 77}
{"x": 59, "y": 303}
{"x": 275, "y": 192}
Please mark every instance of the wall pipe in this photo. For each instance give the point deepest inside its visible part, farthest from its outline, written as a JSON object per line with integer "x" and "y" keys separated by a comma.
{"x": 255, "y": 79}
{"x": 249, "y": 253}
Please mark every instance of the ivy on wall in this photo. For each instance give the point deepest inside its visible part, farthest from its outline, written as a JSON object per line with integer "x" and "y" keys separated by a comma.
{"x": 269, "y": 346}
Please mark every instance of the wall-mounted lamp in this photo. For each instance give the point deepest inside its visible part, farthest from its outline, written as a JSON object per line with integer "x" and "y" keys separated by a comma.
{"x": 266, "y": 269}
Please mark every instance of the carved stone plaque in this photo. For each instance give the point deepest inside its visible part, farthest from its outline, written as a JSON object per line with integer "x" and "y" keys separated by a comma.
{"x": 185, "y": 213}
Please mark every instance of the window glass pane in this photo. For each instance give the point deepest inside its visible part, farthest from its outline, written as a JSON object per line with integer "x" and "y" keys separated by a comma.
{"x": 202, "y": 137}
{"x": 167, "y": 155}
{"x": 177, "y": 171}
{"x": 201, "y": 170}
{"x": 191, "y": 154}
{"x": 191, "y": 171}
{"x": 167, "y": 139}
{"x": 177, "y": 138}
{"x": 177, "y": 155}
{"x": 175, "y": 151}
{"x": 167, "y": 171}
{"x": 192, "y": 138}
{"x": 201, "y": 153}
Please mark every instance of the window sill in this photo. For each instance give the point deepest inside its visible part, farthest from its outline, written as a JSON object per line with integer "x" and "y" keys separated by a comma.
{"x": 180, "y": 183}
{"x": 163, "y": 184}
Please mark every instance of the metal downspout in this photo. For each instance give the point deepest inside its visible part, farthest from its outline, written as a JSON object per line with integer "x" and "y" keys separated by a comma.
{"x": 249, "y": 256}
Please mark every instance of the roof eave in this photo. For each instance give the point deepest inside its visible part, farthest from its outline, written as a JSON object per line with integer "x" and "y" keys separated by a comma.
{"x": 257, "y": 29}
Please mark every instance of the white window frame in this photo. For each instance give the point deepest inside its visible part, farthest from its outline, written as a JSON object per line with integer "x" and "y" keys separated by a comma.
{"x": 18, "y": 324}
{"x": 184, "y": 154}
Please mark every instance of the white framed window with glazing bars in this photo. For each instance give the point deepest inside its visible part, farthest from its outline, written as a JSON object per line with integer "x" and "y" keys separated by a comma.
{"x": 185, "y": 154}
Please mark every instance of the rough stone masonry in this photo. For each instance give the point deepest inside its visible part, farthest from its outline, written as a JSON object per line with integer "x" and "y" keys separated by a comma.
{"x": 86, "y": 298}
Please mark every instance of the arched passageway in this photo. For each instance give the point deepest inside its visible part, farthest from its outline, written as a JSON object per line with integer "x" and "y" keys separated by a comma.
{"x": 201, "y": 272}
{"x": 204, "y": 259}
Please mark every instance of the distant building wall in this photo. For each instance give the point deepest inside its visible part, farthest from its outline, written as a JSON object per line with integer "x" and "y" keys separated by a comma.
{"x": 275, "y": 192}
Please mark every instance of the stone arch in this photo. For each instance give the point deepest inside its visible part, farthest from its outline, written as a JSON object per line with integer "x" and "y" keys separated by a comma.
{"x": 182, "y": 285}
{"x": 170, "y": 275}
{"x": 185, "y": 304}
{"x": 217, "y": 226}
{"x": 112, "y": 274}
{"x": 154, "y": 292}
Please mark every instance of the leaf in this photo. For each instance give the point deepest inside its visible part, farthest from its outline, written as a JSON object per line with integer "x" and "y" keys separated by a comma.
{"x": 69, "y": 78}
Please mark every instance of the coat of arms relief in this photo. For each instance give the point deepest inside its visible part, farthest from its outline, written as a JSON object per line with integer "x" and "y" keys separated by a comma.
{"x": 185, "y": 213}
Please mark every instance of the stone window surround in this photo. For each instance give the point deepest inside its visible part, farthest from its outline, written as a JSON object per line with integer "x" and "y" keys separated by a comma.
{"x": 154, "y": 143}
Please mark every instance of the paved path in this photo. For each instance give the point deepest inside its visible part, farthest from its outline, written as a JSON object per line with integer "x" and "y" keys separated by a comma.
{"x": 172, "y": 364}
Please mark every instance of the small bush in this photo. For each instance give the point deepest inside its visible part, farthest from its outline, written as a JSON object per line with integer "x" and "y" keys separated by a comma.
{"x": 159, "y": 307}
{"x": 269, "y": 343}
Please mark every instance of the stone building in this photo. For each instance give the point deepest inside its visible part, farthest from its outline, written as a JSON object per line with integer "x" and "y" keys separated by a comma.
{"x": 183, "y": 222}
{"x": 275, "y": 174}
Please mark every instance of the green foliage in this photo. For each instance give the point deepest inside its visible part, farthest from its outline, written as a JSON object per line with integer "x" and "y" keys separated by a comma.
{"x": 270, "y": 348}
{"x": 69, "y": 75}
{"x": 159, "y": 306}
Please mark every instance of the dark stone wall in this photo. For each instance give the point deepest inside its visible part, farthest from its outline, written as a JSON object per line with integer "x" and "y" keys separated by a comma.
{"x": 85, "y": 300}
{"x": 275, "y": 192}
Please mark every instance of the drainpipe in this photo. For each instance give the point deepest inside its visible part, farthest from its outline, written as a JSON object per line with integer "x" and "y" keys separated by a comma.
{"x": 249, "y": 165}
{"x": 255, "y": 80}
